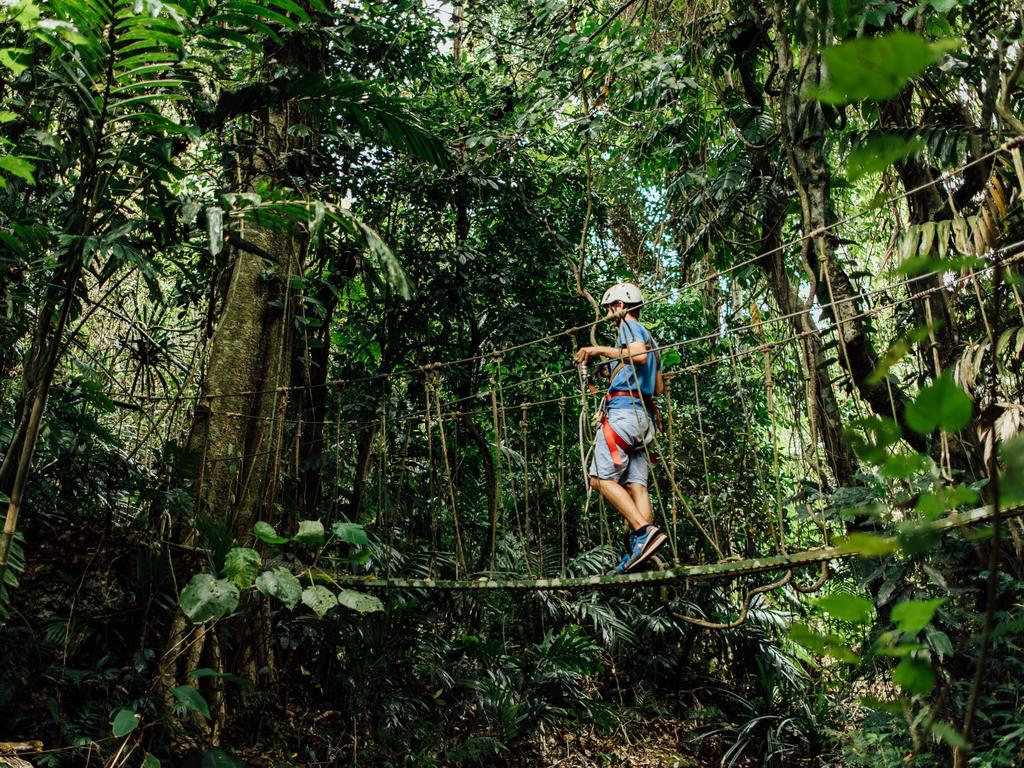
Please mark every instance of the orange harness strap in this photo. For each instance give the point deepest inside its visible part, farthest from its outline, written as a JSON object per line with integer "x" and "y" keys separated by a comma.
{"x": 614, "y": 440}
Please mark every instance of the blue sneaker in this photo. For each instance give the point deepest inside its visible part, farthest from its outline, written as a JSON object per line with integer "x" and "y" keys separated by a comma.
{"x": 621, "y": 567}
{"x": 642, "y": 548}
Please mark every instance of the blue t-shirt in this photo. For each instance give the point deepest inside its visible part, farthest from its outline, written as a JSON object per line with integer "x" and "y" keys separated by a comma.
{"x": 627, "y": 378}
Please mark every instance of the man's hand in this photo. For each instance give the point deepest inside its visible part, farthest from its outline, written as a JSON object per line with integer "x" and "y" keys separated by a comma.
{"x": 583, "y": 354}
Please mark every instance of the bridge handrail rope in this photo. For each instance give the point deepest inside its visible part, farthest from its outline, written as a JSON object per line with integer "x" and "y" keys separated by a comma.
{"x": 1010, "y": 145}
{"x": 765, "y": 346}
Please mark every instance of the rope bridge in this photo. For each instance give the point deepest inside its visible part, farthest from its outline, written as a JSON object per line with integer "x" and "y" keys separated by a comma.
{"x": 437, "y": 455}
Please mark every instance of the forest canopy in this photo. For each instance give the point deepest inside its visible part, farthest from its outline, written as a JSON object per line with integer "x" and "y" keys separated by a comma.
{"x": 296, "y": 452}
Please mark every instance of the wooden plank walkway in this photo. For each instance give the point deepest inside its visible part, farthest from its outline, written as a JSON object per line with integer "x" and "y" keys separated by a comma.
{"x": 683, "y": 573}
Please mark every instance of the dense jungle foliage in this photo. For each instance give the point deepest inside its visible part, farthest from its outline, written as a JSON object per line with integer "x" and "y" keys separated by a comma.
{"x": 290, "y": 291}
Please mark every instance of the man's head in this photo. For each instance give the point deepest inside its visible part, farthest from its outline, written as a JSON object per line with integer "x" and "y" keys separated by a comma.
{"x": 622, "y": 299}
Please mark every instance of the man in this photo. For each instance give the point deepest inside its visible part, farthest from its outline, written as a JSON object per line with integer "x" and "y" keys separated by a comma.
{"x": 619, "y": 468}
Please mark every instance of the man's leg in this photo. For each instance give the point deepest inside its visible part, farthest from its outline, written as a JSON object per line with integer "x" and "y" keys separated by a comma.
{"x": 642, "y": 501}
{"x": 623, "y": 501}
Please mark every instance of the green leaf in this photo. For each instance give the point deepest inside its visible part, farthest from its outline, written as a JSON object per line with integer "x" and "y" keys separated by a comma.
{"x": 940, "y": 405}
{"x": 911, "y": 616}
{"x": 871, "y": 437}
{"x": 671, "y": 357}
{"x": 918, "y": 538}
{"x": 904, "y": 465}
{"x": 310, "y": 532}
{"x": 877, "y": 68}
{"x": 241, "y": 565}
{"x": 947, "y": 733}
{"x": 10, "y": 58}
{"x": 870, "y": 544}
{"x": 320, "y": 599}
{"x": 350, "y": 533}
{"x": 852, "y": 608}
{"x": 914, "y": 675}
{"x": 207, "y": 598}
{"x": 125, "y": 721}
{"x": 939, "y": 641}
{"x": 878, "y": 153}
{"x": 823, "y": 645}
{"x": 928, "y": 264}
{"x": 1011, "y": 479}
{"x": 150, "y": 761}
{"x": 191, "y": 699}
{"x": 25, "y": 14}
{"x": 18, "y": 166}
{"x": 359, "y": 601}
{"x": 280, "y": 583}
{"x": 900, "y": 650}
{"x": 265, "y": 532}
{"x": 932, "y": 504}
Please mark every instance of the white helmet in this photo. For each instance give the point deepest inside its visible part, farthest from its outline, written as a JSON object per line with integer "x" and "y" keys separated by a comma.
{"x": 624, "y": 292}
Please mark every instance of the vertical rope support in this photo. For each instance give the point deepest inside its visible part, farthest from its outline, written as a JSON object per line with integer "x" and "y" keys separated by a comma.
{"x": 581, "y": 433}
{"x": 497, "y": 469}
{"x": 947, "y": 461}
{"x": 431, "y": 481}
{"x": 678, "y": 494}
{"x": 748, "y": 433}
{"x": 769, "y": 382}
{"x": 526, "y": 489}
{"x": 337, "y": 455}
{"x": 704, "y": 456}
{"x": 460, "y": 560}
{"x": 839, "y": 324}
{"x": 561, "y": 487}
{"x": 670, "y": 466}
{"x": 383, "y": 498}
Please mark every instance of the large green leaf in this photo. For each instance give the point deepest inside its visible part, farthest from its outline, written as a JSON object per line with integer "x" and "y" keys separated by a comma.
{"x": 359, "y": 601}
{"x": 310, "y": 532}
{"x": 877, "y": 68}
{"x": 125, "y": 721}
{"x": 241, "y": 565}
{"x": 280, "y": 583}
{"x": 878, "y": 153}
{"x": 319, "y": 598}
{"x": 914, "y": 675}
{"x": 824, "y": 645}
{"x": 1011, "y": 479}
{"x": 350, "y": 533}
{"x": 911, "y": 616}
{"x": 17, "y": 166}
{"x": 940, "y": 405}
{"x": 191, "y": 699}
{"x": 852, "y": 608}
{"x": 265, "y": 532}
{"x": 207, "y": 598}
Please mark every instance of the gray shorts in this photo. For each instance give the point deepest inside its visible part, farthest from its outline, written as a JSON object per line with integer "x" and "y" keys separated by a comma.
{"x": 632, "y": 424}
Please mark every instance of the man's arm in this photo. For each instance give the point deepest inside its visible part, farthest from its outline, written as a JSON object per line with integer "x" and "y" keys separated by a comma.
{"x": 635, "y": 352}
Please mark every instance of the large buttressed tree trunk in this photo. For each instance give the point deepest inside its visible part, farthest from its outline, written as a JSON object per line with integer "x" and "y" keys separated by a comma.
{"x": 238, "y": 425}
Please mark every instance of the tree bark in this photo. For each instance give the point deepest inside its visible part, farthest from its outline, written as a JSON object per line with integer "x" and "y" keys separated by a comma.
{"x": 804, "y": 128}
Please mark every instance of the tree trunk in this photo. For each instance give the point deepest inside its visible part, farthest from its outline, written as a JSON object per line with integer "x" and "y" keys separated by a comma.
{"x": 803, "y": 132}
{"x": 820, "y": 394}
